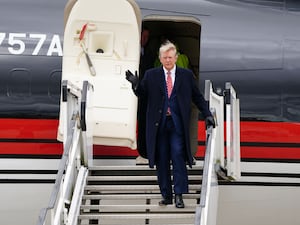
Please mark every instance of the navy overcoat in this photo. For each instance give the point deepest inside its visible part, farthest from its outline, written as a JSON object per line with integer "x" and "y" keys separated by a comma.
{"x": 153, "y": 88}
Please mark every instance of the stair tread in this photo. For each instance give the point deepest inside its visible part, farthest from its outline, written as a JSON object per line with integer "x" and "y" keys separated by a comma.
{"x": 134, "y": 167}
{"x": 133, "y": 196}
{"x": 136, "y": 196}
{"x": 140, "y": 208}
{"x": 131, "y": 187}
{"x": 141, "y": 223}
{"x": 145, "y": 215}
{"x": 133, "y": 178}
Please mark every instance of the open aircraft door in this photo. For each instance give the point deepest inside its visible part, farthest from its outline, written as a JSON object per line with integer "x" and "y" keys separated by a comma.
{"x": 101, "y": 42}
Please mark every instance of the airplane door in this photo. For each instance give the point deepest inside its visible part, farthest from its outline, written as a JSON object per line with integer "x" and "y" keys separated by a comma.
{"x": 101, "y": 42}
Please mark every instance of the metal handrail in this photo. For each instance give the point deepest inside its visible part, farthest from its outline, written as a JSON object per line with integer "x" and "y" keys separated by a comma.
{"x": 233, "y": 132}
{"x": 214, "y": 152}
{"x": 76, "y": 120}
{"x": 201, "y": 214}
{"x": 207, "y": 173}
{"x": 62, "y": 166}
{"x": 208, "y": 151}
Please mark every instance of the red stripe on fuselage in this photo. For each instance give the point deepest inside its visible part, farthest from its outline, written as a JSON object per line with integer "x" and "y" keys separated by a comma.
{"x": 28, "y": 128}
{"x": 19, "y": 148}
{"x": 270, "y": 153}
{"x": 38, "y": 137}
{"x": 273, "y": 132}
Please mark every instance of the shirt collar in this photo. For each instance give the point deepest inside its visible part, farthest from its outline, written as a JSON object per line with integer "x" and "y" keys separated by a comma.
{"x": 172, "y": 70}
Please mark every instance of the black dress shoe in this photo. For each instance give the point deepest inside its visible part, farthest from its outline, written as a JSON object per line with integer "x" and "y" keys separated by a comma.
{"x": 179, "y": 201}
{"x": 166, "y": 201}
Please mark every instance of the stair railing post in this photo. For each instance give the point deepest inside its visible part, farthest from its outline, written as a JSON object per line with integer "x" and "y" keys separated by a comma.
{"x": 86, "y": 123}
{"x": 216, "y": 105}
{"x": 232, "y": 132}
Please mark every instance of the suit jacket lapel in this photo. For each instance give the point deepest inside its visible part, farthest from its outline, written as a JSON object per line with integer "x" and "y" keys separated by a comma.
{"x": 162, "y": 81}
{"x": 178, "y": 80}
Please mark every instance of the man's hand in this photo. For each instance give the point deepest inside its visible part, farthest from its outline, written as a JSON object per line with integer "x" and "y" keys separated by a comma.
{"x": 209, "y": 121}
{"x": 133, "y": 79}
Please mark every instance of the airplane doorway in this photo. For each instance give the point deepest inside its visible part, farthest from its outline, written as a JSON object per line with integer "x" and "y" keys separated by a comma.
{"x": 186, "y": 33}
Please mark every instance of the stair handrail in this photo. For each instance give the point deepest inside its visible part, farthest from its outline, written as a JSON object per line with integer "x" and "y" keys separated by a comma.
{"x": 206, "y": 211}
{"x": 74, "y": 106}
{"x": 232, "y": 132}
{"x": 77, "y": 196}
{"x": 216, "y": 104}
{"x": 209, "y": 186}
{"x": 58, "y": 180}
{"x": 214, "y": 162}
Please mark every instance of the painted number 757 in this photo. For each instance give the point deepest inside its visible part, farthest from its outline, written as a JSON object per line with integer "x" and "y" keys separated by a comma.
{"x": 17, "y": 46}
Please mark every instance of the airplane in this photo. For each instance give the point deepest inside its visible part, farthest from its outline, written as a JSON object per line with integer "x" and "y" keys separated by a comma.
{"x": 253, "y": 44}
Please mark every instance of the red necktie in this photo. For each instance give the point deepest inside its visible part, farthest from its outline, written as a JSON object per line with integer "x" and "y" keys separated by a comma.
{"x": 169, "y": 87}
{"x": 169, "y": 83}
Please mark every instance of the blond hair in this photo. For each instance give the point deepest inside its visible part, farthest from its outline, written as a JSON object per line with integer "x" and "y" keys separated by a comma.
{"x": 167, "y": 46}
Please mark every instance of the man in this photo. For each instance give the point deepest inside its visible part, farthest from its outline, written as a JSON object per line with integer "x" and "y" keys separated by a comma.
{"x": 169, "y": 91}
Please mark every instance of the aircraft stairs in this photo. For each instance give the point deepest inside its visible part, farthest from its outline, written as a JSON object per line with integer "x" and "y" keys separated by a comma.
{"x": 86, "y": 192}
{"x": 130, "y": 195}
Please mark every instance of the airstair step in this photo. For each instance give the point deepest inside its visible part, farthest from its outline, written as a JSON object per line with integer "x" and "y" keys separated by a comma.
{"x": 126, "y": 216}
{"x": 120, "y": 178}
{"x": 129, "y": 195}
{"x": 134, "y": 167}
{"x": 133, "y": 178}
{"x": 134, "y": 171}
{"x": 142, "y": 223}
{"x": 121, "y": 167}
{"x": 134, "y": 196}
{"x": 131, "y": 188}
{"x": 139, "y": 208}
{"x": 133, "y": 218}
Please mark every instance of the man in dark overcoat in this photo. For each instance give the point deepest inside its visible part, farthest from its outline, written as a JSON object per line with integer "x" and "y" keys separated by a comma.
{"x": 169, "y": 91}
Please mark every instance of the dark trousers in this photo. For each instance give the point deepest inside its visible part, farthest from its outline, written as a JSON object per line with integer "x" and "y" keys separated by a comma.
{"x": 170, "y": 147}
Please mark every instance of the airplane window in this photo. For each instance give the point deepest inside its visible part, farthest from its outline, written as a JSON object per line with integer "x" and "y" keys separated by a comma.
{"x": 19, "y": 84}
{"x": 54, "y": 85}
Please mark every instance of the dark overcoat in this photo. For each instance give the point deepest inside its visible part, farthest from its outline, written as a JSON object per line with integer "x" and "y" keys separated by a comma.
{"x": 153, "y": 88}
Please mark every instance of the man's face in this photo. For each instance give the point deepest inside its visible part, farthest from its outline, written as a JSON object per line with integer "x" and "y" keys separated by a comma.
{"x": 168, "y": 59}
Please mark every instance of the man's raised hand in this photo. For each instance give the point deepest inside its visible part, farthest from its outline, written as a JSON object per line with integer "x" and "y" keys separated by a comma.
{"x": 133, "y": 79}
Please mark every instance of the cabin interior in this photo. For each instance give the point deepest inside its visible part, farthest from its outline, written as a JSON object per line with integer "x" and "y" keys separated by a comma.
{"x": 185, "y": 34}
